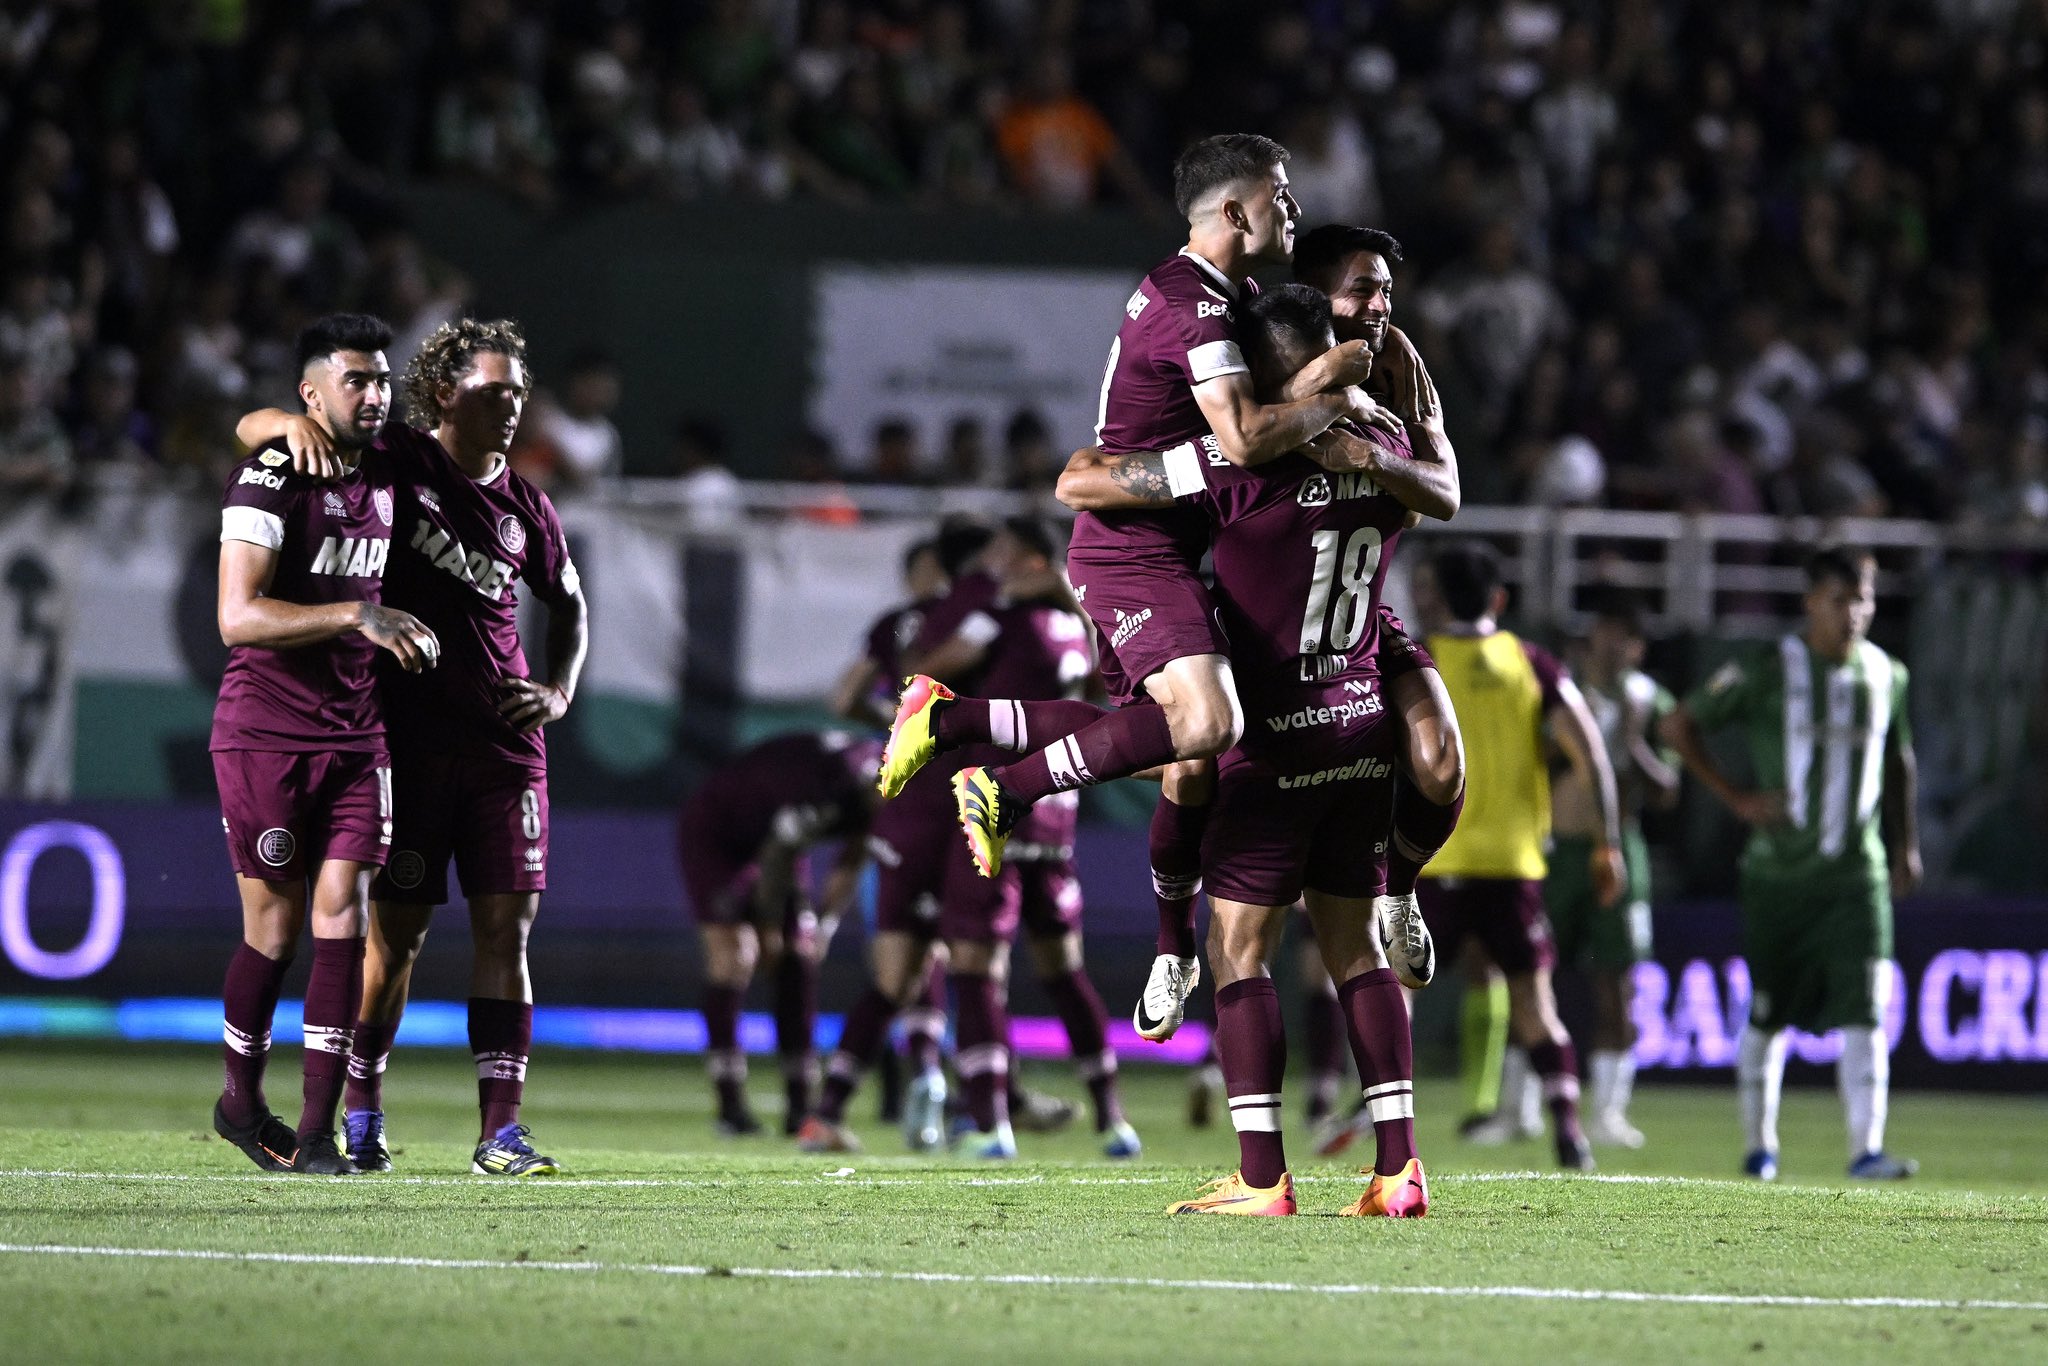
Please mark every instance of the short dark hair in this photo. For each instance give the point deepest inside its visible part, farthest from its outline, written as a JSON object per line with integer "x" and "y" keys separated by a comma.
{"x": 1286, "y": 312}
{"x": 929, "y": 545}
{"x": 1623, "y": 607}
{"x": 1467, "y": 574}
{"x": 960, "y": 540}
{"x": 1221, "y": 160}
{"x": 1319, "y": 251}
{"x": 342, "y": 332}
{"x": 1034, "y": 533}
{"x": 1842, "y": 562}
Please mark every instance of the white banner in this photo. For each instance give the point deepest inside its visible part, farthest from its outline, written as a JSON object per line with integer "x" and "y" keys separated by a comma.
{"x": 811, "y": 593}
{"x": 38, "y": 559}
{"x": 930, "y": 344}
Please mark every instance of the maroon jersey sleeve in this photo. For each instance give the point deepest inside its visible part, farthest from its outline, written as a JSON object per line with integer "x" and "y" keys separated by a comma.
{"x": 1549, "y": 669}
{"x": 548, "y": 570}
{"x": 262, "y": 493}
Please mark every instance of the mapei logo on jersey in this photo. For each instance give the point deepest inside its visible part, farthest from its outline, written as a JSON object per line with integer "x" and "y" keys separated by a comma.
{"x": 268, "y": 480}
{"x": 381, "y": 500}
{"x": 1363, "y": 768}
{"x": 355, "y": 557}
{"x": 512, "y": 533}
{"x": 1341, "y": 714}
{"x": 1136, "y": 305}
{"x": 1205, "y": 309}
{"x": 1127, "y": 625}
{"x": 486, "y": 575}
{"x": 1319, "y": 490}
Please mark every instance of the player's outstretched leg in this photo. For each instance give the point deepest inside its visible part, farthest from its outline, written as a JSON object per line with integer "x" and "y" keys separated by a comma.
{"x": 931, "y": 718}
{"x": 1178, "y": 821}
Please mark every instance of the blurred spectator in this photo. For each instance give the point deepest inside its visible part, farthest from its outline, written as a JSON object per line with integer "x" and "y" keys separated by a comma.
{"x": 567, "y": 443}
{"x": 966, "y": 465}
{"x": 35, "y": 457}
{"x": 1031, "y": 464}
{"x": 493, "y": 126}
{"x": 1058, "y": 148}
{"x": 710, "y": 492}
{"x": 894, "y": 458}
{"x": 112, "y": 430}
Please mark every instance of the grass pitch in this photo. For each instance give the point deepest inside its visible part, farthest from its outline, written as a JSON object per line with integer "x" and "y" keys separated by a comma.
{"x": 664, "y": 1242}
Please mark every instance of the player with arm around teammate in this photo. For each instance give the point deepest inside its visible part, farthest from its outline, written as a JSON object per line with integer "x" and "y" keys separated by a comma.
{"x": 298, "y": 740}
{"x": 1832, "y": 840}
{"x": 1175, "y": 374}
{"x": 469, "y": 752}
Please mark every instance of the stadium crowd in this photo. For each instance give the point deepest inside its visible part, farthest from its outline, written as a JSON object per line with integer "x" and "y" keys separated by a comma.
{"x": 1735, "y": 257}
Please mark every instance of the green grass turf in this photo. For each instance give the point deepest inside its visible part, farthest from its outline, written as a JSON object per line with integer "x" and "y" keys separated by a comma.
{"x": 1974, "y": 1226}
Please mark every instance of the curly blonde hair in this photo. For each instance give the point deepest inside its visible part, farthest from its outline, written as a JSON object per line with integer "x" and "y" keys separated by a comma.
{"x": 448, "y": 354}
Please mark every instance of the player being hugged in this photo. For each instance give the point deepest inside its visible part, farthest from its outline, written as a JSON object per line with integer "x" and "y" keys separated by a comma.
{"x": 467, "y": 744}
{"x": 298, "y": 733}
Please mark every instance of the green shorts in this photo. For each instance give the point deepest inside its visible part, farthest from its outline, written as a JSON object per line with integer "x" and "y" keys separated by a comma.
{"x": 1814, "y": 951}
{"x": 1611, "y": 937}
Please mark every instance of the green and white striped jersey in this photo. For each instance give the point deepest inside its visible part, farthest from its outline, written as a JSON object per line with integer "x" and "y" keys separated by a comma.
{"x": 1818, "y": 732}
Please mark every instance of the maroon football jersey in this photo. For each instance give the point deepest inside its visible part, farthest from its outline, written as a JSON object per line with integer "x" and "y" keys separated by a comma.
{"x": 1301, "y": 557}
{"x": 333, "y": 542}
{"x": 460, "y": 545}
{"x": 888, "y": 640}
{"x": 1178, "y": 331}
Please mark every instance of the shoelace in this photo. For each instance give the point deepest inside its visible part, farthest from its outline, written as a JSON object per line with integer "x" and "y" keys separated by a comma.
{"x": 1164, "y": 993}
{"x": 1410, "y": 925}
{"x": 515, "y": 1140}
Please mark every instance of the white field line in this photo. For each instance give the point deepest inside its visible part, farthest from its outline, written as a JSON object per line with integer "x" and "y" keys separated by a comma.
{"x": 939, "y": 1176}
{"x": 1507, "y": 1292}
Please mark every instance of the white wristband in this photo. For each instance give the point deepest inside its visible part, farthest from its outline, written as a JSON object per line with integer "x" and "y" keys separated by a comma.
{"x": 1184, "y": 470}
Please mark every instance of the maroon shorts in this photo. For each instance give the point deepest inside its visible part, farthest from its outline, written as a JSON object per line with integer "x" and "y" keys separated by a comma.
{"x": 1306, "y": 800}
{"x": 1146, "y": 616}
{"x": 915, "y": 840}
{"x": 1505, "y": 914}
{"x": 719, "y": 875}
{"x": 286, "y": 814}
{"x": 489, "y": 814}
{"x": 1037, "y": 889}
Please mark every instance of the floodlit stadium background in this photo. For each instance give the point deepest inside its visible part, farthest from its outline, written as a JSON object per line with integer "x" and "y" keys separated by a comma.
{"x": 1701, "y": 285}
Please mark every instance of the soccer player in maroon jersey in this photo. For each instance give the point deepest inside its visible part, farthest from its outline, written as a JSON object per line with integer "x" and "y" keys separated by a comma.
{"x": 469, "y": 757}
{"x": 912, "y": 841}
{"x": 1175, "y": 374}
{"x": 1300, "y": 557}
{"x": 742, "y": 839}
{"x": 298, "y": 732}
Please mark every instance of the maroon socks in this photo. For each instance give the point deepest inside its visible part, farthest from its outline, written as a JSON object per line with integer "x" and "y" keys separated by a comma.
{"x": 1008, "y": 724}
{"x": 333, "y": 994}
{"x": 728, "y": 1065}
{"x": 1115, "y": 745}
{"x": 860, "y": 1043}
{"x": 1176, "y": 848}
{"x": 983, "y": 1059}
{"x": 1421, "y": 827}
{"x": 1376, "y": 1018}
{"x": 367, "y": 1055}
{"x": 796, "y": 1027}
{"x": 1253, "y": 1045}
{"x": 1080, "y": 1009}
{"x": 501, "y": 1036}
{"x": 1558, "y": 1065}
{"x": 248, "y": 1002}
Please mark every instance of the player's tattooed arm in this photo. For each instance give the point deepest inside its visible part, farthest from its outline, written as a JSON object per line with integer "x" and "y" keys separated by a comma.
{"x": 1422, "y": 485}
{"x": 1095, "y": 481}
{"x": 311, "y": 445}
{"x": 405, "y": 635}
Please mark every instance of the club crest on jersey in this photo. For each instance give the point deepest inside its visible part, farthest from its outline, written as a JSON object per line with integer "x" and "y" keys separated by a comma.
{"x": 512, "y": 533}
{"x": 333, "y": 503}
{"x": 381, "y": 500}
{"x": 1314, "y": 492}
